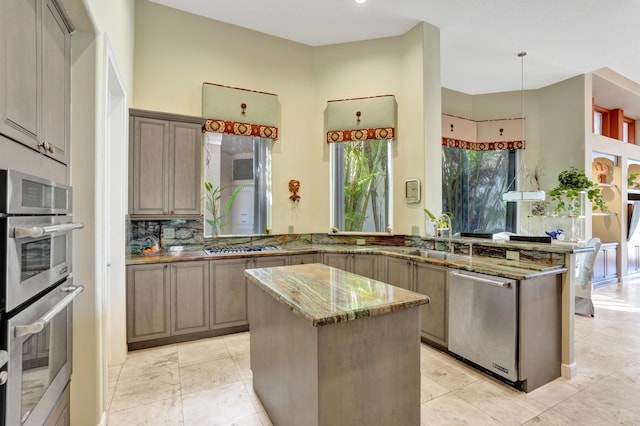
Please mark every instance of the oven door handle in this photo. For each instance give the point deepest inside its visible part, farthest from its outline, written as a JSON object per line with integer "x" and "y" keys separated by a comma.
{"x": 39, "y": 325}
{"x": 39, "y": 231}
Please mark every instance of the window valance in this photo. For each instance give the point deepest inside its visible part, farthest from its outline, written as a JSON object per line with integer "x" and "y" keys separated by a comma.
{"x": 485, "y": 135}
{"x": 240, "y": 111}
{"x": 361, "y": 119}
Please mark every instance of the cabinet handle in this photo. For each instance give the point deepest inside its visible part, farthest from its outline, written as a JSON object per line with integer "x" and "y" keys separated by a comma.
{"x": 165, "y": 266}
{"x": 428, "y": 300}
{"x": 51, "y": 148}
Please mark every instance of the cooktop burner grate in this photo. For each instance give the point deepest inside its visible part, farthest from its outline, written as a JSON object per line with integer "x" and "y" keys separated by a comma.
{"x": 239, "y": 249}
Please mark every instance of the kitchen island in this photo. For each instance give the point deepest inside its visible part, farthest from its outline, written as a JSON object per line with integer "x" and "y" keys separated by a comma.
{"x": 331, "y": 347}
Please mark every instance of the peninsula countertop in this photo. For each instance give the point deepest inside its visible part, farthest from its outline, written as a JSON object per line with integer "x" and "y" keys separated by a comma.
{"x": 323, "y": 295}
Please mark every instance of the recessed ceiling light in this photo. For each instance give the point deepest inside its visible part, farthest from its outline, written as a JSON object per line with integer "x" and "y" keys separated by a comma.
{"x": 360, "y": 1}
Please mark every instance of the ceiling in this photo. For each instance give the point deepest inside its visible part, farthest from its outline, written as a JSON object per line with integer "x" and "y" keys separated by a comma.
{"x": 479, "y": 39}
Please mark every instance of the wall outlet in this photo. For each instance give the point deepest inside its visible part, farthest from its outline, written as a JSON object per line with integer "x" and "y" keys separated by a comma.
{"x": 415, "y": 230}
{"x": 290, "y": 229}
{"x": 168, "y": 233}
{"x": 513, "y": 255}
{"x": 361, "y": 241}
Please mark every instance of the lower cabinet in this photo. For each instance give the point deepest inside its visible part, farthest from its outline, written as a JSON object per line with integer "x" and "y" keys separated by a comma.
{"x": 633, "y": 257}
{"x": 229, "y": 288}
{"x": 400, "y": 272}
{"x": 432, "y": 281}
{"x": 605, "y": 269}
{"x": 167, "y": 299}
{"x": 148, "y": 302}
{"x": 303, "y": 259}
{"x": 189, "y": 297}
{"x": 361, "y": 264}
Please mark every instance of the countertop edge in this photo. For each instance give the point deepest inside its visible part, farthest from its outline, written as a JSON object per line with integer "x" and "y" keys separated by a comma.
{"x": 344, "y": 316}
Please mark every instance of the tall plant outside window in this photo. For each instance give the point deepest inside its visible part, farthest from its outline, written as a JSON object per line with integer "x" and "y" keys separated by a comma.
{"x": 472, "y": 186}
{"x": 361, "y": 186}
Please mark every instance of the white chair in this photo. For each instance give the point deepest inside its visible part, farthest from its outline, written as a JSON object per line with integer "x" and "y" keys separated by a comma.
{"x": 584, "y": 278}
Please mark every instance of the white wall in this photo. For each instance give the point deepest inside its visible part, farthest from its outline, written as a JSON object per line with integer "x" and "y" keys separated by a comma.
{"x": 97, "y": 21}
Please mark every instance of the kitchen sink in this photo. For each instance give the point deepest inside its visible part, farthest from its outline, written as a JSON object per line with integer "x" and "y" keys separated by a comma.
{"x": 443, "y": 255}
{"x": 433, "y": 254}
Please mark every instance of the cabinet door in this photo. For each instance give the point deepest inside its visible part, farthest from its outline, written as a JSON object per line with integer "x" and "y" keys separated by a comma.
{"x": 189, "y": 297}
{"x": 365, "y": 265}
{"x": 148, "y": 302}
{"x": 400, "y": 272}
{"x": 56, "y": 88}
{"x": 432, "y": 281}
{"x": 150, "y": 160}
{"x": 633, "y": 250}
{"x": 336, "y": 260}
{"x": 268, "y": 262}
{"x": 229, "y": 293}
{"x": 20, "y": 70}
{"x": 185, "y": 185}
{"x": 303, "y": 259}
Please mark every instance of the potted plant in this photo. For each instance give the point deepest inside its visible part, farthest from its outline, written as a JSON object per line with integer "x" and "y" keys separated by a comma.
{"x": 213, "y": 196}
{"x": 571, "y": 183}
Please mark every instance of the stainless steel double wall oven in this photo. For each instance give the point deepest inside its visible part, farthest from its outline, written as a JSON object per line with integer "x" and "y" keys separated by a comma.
{"x": 36, "y": 295}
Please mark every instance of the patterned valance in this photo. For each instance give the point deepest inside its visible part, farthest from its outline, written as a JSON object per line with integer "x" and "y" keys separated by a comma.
{"x": 240, "y": 111}
{"x": 483, "y": 135}
{"x": 483, "y": 146}
{"x": 242, "y": 129}
{"x": 360, "y": 135}
{"x": 359, "y": 119}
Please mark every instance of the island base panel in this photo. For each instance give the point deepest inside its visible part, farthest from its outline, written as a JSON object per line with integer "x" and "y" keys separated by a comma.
{"x": 365, "y": 371}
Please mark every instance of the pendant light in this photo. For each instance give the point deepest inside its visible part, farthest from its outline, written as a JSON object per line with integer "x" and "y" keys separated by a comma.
{"x": 523, "y": 195}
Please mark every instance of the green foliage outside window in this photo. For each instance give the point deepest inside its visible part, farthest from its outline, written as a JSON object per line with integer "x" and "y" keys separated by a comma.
{"x": 365, "y": 173}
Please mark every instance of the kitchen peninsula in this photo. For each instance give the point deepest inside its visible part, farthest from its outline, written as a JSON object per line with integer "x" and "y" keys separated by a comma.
{"x": 333, "y": 347}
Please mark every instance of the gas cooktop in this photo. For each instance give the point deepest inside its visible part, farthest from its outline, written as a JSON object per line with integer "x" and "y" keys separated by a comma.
{"x": 239, "y": 249}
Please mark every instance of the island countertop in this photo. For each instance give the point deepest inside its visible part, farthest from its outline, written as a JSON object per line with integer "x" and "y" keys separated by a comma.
{"x": 323, "y": 295}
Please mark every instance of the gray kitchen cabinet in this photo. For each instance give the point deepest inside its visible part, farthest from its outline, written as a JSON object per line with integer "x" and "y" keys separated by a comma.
{"x": 148, "y": 302}
{"x": 228, "y": 292}
{"x": 361, "y": 264}
{"x": 35, "y": 75}
{"x": 229, "y": 288}
{"x": 189, "y": 297}
{"x": 400, "y": 272}
{"x": 432, "y": 281}
{"x": 167, "y": 299}
{"x": 165, "y": 169}
{"x": 303, "y": 259}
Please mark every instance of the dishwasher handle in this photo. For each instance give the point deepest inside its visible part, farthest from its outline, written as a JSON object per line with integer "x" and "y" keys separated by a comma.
{"x": 495, "y": 283}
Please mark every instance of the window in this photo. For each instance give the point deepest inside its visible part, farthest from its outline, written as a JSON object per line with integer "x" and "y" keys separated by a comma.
{"x": 238, "y": 170}
{"x": 361, "y": 186}
{"x": 472, "y": 186}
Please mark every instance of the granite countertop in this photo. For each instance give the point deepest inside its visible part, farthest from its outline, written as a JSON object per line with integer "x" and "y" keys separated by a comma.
{"x": 520, "y": 270}
{"x": 323, "y": 295}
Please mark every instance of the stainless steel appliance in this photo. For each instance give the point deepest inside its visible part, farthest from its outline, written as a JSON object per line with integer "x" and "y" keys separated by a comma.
{"x": 36, "y": 294}
{"x": 483, "y": 321}
{"x": 239, "y": 249}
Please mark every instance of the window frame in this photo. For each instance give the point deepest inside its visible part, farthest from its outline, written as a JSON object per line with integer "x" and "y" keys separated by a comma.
{"x": 337, "y": 197}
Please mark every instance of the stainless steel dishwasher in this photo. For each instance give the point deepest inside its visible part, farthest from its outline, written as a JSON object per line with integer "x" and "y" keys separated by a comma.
{"x": 483, "y": 321}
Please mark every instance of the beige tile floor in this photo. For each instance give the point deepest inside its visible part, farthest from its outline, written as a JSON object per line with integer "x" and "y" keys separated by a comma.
{"x": 208, "y": 382}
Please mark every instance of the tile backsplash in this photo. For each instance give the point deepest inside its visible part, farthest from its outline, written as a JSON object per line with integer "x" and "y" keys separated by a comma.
{"x": 164, "y": 234}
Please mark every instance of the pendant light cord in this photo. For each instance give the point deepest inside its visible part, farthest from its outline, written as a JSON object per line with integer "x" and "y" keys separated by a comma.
{"x": 523, "y": 164}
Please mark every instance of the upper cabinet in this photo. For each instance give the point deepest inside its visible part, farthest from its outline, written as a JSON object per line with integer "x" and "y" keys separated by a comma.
{"x": 165, "y": 165}
{"x": 35, "y": 75}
